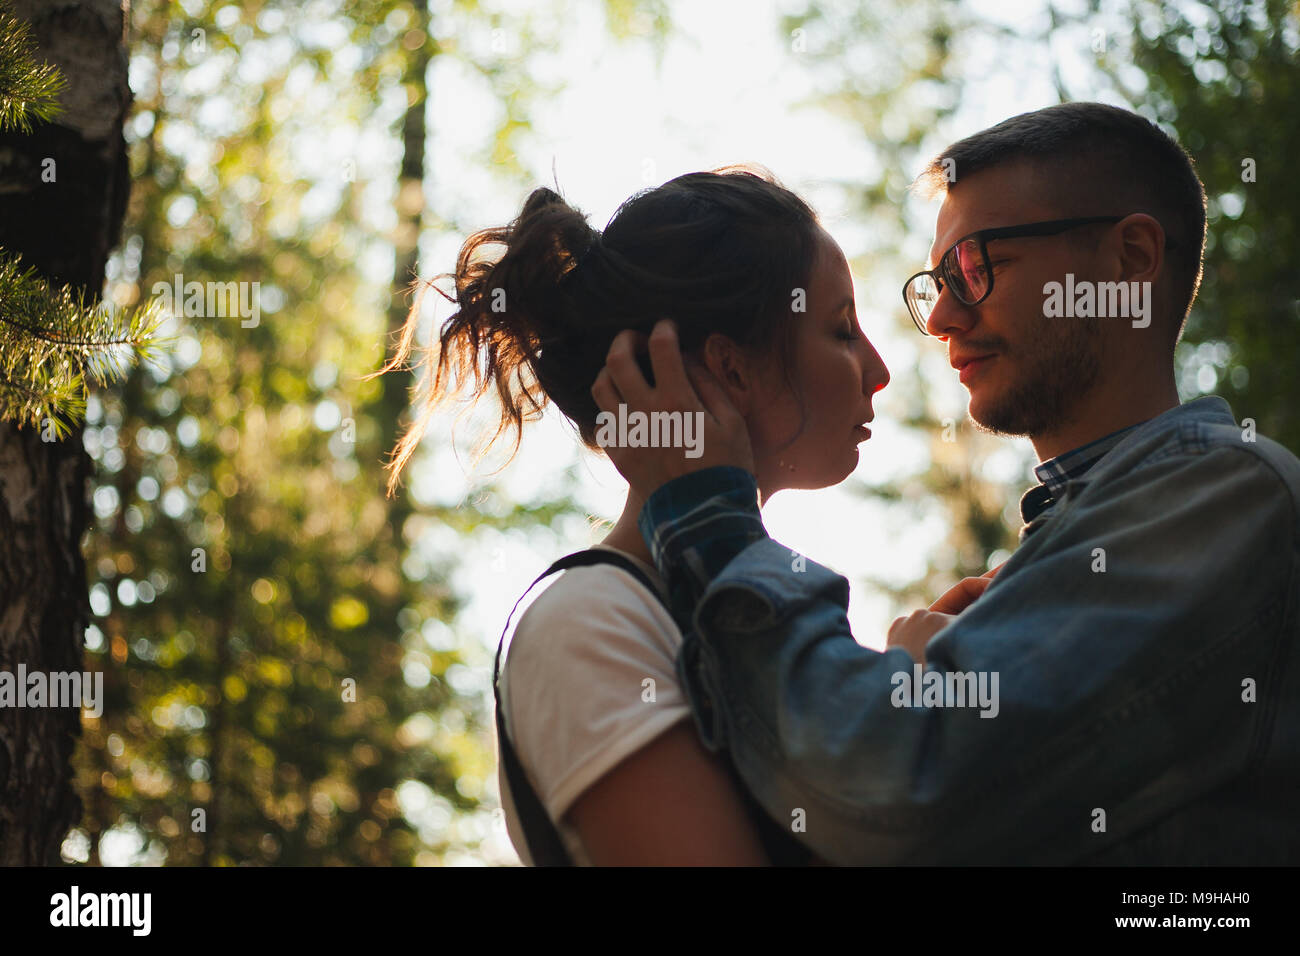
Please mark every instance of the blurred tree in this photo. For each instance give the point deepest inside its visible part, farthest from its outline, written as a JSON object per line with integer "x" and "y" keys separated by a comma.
{"x": 1224, "y": 78}
{"x": 891, "y": 72}
{"x": 265, "y": 650}
{"x": 64, "y": 189}
{"x": 284, "y": 675}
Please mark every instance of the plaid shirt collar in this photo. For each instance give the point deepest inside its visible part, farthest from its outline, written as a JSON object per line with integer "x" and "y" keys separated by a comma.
{"x": 1056, "y": 472}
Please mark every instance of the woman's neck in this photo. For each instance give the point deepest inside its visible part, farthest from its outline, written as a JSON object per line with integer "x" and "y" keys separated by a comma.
{"x": 626, "y": 536}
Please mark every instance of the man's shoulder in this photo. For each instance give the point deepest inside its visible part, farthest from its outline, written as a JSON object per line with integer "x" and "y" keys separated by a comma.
{"x": 1201, "y": 429}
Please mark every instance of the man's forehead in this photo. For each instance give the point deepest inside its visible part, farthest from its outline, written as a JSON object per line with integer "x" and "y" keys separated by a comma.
{"x": 1006, "y": 195}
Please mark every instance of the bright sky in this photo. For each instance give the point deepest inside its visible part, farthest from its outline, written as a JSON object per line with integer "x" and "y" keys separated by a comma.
{"x": 725, "y": 93}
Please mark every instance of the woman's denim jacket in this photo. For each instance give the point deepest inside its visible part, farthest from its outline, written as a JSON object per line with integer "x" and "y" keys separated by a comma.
{"x": 1137, "y": 660}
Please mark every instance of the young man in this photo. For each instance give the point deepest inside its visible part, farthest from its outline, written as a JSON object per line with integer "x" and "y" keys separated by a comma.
{"x": 1125, "y": 691}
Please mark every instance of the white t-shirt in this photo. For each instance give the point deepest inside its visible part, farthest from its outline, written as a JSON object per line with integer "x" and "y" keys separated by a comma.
{"x": 573, "y": 685}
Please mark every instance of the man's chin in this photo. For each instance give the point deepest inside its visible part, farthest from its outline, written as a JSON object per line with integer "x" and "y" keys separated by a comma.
{"x": 982, "y": 410}
{"x": 990, "y": 414}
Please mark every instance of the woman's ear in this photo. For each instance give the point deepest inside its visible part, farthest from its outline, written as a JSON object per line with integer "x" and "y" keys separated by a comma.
{"x": 731, "y": 366}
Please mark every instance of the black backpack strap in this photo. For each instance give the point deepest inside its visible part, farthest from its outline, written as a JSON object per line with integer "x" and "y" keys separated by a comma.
{"x": 544, "y": 843}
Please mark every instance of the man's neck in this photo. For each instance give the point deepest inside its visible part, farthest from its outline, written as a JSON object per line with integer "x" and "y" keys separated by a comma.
{"x": 1106, "y": 411}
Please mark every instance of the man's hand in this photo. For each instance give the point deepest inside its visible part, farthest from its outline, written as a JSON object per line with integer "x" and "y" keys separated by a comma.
{"x": 720, "y": 430}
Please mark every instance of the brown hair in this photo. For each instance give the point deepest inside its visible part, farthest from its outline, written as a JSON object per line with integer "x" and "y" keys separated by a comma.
{"x": 716, "y": 251}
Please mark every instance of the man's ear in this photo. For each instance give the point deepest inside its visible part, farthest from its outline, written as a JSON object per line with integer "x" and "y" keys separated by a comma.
{"x": 730, "y": 365}
{"x": 1141, "y": 248}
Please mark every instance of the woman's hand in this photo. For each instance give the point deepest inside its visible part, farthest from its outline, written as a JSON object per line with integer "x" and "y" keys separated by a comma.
{"x": 914, "y": 631}
{"x": 964, "y": 593}
{"x": 680, "y": 387}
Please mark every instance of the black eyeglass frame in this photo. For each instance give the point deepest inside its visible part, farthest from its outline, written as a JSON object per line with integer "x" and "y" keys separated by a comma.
{"x": 939, "y": 274}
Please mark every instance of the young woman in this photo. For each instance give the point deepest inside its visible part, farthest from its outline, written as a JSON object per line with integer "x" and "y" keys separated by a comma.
{"x": 762, "y": 296}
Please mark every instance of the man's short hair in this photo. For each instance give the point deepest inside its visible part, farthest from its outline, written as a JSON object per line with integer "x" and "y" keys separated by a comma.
{"x": 1111, "y": 160}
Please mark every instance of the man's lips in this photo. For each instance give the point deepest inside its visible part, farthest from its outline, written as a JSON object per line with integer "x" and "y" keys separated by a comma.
{"x": 969, "y": 366}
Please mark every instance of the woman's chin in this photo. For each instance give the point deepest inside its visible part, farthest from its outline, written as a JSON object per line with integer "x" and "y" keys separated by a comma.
{"x": 809, "y": 476}
{"x": 831, "y": 476}
{"x": 856, "y": 456}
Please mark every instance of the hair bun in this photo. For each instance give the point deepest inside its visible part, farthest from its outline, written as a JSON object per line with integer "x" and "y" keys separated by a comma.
{"x": 590, "y": 253}
{"x": 594, "y": 248}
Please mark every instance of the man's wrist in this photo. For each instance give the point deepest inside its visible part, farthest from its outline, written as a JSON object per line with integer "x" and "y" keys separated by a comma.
{"x": 701, "y": 521}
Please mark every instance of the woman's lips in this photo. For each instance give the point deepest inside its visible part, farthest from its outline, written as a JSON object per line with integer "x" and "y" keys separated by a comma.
{"x": 970, "y": 369}
{"x": 862, "y": 431}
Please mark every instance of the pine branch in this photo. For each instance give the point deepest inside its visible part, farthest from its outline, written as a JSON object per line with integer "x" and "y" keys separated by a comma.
{"x": 28, "y": 89}
{"x": 50, "y": 340}
{"x": 61, "y": 403}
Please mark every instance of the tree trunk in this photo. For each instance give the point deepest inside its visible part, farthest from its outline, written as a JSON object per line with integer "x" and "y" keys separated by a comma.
{"x": 63, "y": 192}
{"x": 406, "y": 237}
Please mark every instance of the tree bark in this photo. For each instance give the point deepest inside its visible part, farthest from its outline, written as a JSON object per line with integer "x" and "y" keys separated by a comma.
{"x": 65, "y": 228}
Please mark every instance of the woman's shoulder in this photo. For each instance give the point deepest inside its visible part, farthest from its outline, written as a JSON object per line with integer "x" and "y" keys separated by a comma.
{"x": 602, "y": 603}
{"x": 589, "y": 677}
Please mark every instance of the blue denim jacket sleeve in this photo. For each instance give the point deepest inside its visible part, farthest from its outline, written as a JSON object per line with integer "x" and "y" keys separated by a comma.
{"x": 1115, "y": 645}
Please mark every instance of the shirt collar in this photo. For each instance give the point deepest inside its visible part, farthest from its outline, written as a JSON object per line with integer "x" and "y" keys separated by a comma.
{"x": 1056, "y": 473}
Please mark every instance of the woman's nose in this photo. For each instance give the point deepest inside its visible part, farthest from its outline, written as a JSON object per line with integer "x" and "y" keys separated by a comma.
{"x": 875, "y": 373}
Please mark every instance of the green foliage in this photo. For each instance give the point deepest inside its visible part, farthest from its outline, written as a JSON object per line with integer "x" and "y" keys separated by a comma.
{"x": 1225, "y": 78}
{"x": 28, "y": 90}
{"x": 277, "y": 654}
{"x": 267, "y": 660}
{"x": 49, "y": 338}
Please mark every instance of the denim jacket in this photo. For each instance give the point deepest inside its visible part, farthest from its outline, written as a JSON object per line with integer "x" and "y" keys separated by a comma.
{"x": 1138, "y": 654}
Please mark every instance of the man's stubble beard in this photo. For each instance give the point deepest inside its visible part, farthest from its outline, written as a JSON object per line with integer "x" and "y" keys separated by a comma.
{"x": 1046, "y": 394}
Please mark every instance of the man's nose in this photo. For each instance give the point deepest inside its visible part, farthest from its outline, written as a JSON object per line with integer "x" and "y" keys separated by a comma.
{"x": 950, "y": 315}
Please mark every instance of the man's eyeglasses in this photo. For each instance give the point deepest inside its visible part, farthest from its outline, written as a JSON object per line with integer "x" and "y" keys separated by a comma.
{"x": 965, "y": 267}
